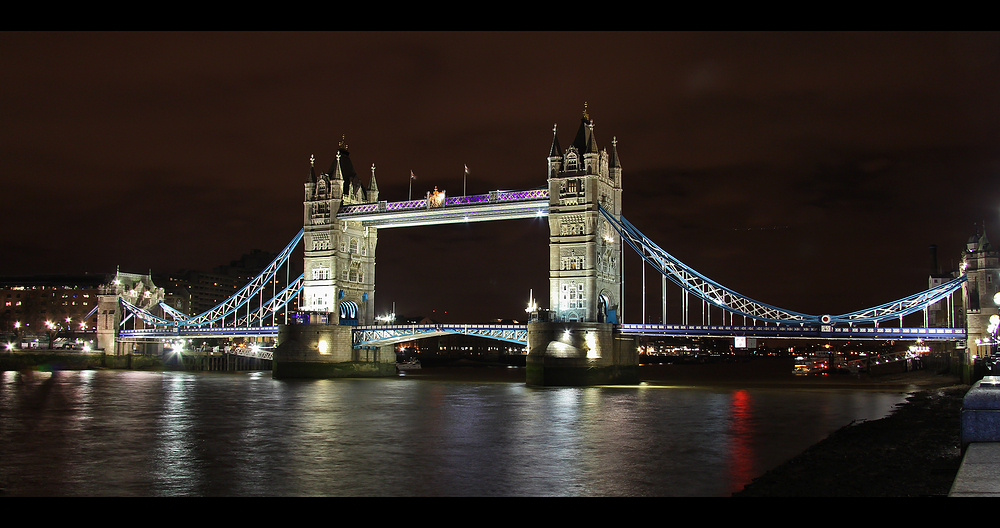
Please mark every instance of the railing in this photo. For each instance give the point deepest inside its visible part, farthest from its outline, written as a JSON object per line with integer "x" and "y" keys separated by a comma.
{"x": 494, "y": 197}
{"x": 388, "y": 334}
{"x": 798, "y": 331}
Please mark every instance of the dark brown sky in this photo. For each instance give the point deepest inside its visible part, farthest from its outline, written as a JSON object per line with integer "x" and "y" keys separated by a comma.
{"x": 810, "y": 171}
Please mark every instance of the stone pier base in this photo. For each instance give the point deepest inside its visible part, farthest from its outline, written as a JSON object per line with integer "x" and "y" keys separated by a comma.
{"x": 326, "y": 351}
{"x": 580, "y": 354}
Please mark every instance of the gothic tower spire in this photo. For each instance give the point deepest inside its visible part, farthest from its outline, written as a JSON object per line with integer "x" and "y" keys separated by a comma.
{"x": 373, "y": 187}
{"x": 555, "y": 154}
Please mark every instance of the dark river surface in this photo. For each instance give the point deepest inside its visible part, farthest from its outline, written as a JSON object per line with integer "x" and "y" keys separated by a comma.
{"x": 131, "y": 433}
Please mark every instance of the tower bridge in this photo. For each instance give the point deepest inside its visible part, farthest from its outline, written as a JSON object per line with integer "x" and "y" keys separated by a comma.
{"x": 580, "y": 339}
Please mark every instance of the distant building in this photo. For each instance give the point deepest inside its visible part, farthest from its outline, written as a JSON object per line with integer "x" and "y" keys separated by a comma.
{"x": 28, "y": 302}
{"x": 195, "y": 292}
{"x": 460, "y": 346}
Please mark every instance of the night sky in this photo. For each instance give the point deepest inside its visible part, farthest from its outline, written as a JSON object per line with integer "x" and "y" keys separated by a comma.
{"x": 810, "y": 171}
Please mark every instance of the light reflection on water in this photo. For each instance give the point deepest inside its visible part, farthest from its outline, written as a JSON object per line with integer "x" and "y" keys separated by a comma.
{"x": 106, "y": 433}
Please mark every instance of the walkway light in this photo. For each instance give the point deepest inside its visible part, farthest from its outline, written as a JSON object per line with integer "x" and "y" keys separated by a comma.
{"x": 532, "y": 305}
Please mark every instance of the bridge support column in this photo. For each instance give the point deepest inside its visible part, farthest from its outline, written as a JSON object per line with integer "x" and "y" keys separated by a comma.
{"x": 325, "y": 351}
{"x": 579, "y": 354}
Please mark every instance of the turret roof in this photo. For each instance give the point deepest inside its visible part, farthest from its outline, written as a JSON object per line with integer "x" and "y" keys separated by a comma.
{"x": 555, "y": 150}
{"x": 585, "y": 142}
{"x": 343, "y": 168}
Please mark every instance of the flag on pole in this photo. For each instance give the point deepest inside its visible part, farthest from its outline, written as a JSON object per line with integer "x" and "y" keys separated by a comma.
{"x": 466, "y": 170}
{"x": 412, "y": 177}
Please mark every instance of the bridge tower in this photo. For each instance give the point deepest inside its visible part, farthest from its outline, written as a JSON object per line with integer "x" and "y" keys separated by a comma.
{"x": 981, "y": 264}
{"x": 138, "y": 290}
{"x": 338, "y": 290}
{"x": 585, "y": 253}
{"x": 580, "y": 343}
{"x": 339, "y": 284}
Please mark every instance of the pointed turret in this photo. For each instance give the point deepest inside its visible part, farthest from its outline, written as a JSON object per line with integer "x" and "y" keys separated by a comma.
{"x": 555, "y": 151}
{"x": 614, "y": 163}
{"x": 555, "y": 154}
{"x": 584, "y": 141}
{"x": 586, "y": 144}
{"x": 311, "y": 179}
{"x": 615, "y": 166}
{"x": 373, "y": 187}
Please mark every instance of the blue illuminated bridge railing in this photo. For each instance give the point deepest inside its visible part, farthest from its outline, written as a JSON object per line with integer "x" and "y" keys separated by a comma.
{"x": 715, "y": 294}
{"x": 798, "y": 331}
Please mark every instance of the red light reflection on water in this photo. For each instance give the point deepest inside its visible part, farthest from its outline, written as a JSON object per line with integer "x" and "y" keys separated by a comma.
{"x": 741, "y": 453}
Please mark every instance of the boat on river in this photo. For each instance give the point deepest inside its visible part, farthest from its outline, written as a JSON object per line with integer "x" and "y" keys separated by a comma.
{"x": 410, "y": 364}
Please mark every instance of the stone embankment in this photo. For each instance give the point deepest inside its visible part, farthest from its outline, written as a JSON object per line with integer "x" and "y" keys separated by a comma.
{"x": 54, "y": 360}
{"x": 913, "y": 452}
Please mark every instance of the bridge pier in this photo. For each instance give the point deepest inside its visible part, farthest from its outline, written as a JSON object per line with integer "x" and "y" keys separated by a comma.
{"x": 326, "y": 351}
{"x": 579, "y": 354}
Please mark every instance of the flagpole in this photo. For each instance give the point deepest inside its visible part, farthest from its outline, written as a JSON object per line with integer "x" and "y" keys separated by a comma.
{"x": 409, "y": 197}
{"x": 464, "y": 178}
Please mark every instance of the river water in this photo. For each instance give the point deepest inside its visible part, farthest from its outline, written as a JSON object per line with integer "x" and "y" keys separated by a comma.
{"x": 130, "y": 433}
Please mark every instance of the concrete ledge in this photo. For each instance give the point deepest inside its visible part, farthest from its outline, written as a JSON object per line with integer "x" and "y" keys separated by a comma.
{"x": 981, "y": 412}
{"x": 322, "y": 370}
{"x": 979, "y": 475}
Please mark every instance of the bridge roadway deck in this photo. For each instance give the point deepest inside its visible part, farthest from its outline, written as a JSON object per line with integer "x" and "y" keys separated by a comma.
{"x": 377, "y": 335}
{"x": 497, "y": 205}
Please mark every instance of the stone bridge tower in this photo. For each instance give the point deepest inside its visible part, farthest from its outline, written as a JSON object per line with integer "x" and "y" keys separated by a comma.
{"x": 339, "y": 285}
{"x": 981, "y": 265}
{"x": 338, "y": 290}
{"x": 581, "y": 343}
{"x": 138, "y": 290}
{"x": 585, "y": 253}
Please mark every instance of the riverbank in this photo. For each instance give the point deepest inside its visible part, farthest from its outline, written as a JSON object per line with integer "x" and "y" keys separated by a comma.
{"x": 913, "y": 452}
{"x": 55, "y": 360}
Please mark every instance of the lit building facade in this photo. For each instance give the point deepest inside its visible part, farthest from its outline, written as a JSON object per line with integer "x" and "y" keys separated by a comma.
{"x": 30, "y": 305}
{"x": 585, "y": 252}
